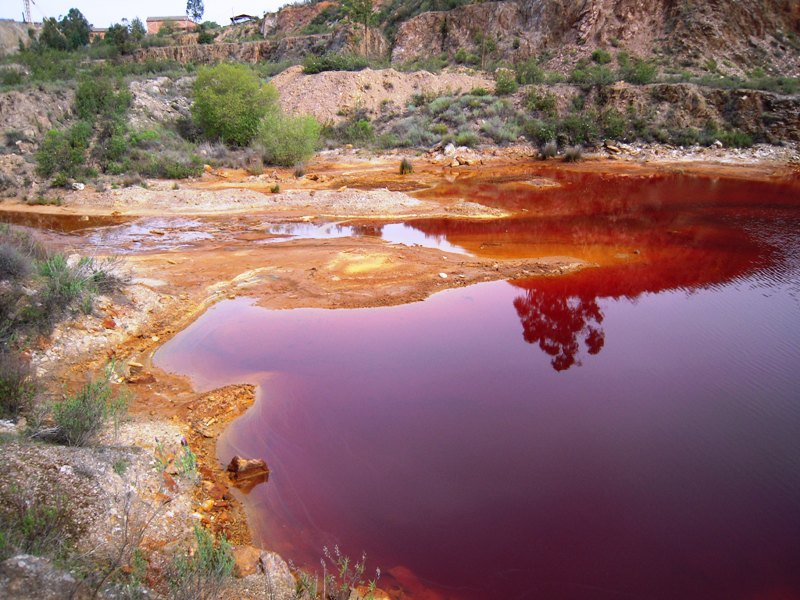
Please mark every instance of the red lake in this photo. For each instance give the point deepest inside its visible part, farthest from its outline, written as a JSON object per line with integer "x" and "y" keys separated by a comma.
{"x": 628, "y": 431}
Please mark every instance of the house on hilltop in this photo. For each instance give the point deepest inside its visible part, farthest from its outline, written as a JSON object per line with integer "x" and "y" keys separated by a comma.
{"x": 181, "y": 23}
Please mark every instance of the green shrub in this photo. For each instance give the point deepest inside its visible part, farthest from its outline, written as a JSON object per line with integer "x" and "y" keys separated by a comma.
{"x": 592, "y": 75}
{"x": 203, "y": 574}
{"x": 17, "y": 385}
{"x": 479, "y": 91}
{"x": 230, "y": 102}
{"x": 579, "y": 128}
{"x": 636, "y": 70}
{"x": 501, "y": 131}
{"x": 614, "y": 125}
{"x": 539, "y": 131}
{"x": 505, "y": 82}
{"x": 288, "y": 139}
{"x": 64, "y": 151}
{"x": 80, "y": 418}
{"x": 467, "y": 138}
{"x": 101, "y": 97}
{"x": 10, "y": 77}
{"x": 601, "y": 57}
{"x": 359, "y": 131}
{"x": 333, "y": 62}
{"x": 735, "y": 139}
{"x": 529, "y": 72}
{"x": 37, "y": 526}
{"x": 406, "y": 168}
{"x": 545, "y": 102}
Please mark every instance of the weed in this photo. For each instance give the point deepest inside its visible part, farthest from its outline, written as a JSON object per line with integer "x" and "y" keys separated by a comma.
{"x": 543, "y": 102}
{"x": 187, "y": 461}
{"x": 204, "y": 574}
{"x": 467, "y": 138}
{"x": 406, "y": 168}
{"x": 38, "y": 526}
{"x": 573, "y": 154}
{"x": 17, "y": 385}
{"x": 340, "y": 576}
{"x": 601, "y": 57}
{"x": 333, "y": 62}
{"x": 275, "y": 188}
{"x": 548, "y": 150}
{"x": 80, "y": 418}
{"x": 505, "y": 82}
{"x": 120, "y": 465}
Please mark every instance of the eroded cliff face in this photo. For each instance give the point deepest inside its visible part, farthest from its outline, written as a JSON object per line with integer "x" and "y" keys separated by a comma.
{"x": 344, "y": 39}
{"x": 744, "y": 32}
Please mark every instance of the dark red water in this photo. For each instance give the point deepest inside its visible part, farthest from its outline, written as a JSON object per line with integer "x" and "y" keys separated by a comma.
{"x": 631, "y": 431}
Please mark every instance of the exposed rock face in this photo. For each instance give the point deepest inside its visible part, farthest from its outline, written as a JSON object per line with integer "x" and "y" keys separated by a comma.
{"x": 291, "y": 18}
{"x": 11, "y": 34}
{"x": 33, "y": 111}
{"x": 764, "y": 115}
{"x": 341, "y": 93}
{"x": 26, "y": 577}
{"x": 746, "y": 30}
{"x": 344, "y": 39}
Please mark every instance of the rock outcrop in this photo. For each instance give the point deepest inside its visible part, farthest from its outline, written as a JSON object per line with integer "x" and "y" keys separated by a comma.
{"x": 744, "y": 32}
{"x": 344, "y": 39}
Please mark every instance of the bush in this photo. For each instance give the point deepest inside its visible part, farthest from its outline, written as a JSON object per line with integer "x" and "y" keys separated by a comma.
{"x": 13, "y": 263}
{"x": 539, "y": 131}
{"x": 467, "y": 138}
{"x": 288, "y": 139}
{"x": 17, "y": 386}
{"x": 601, "y": 57}
{"x": 230, "y": 102}
{"x": 101, "y": 97}
{"x": 548, "y": 150}
{"x": 333, "y": 62}
{"x": 536, "y": 101}
{"x": 64, "y": 151}
{"x": 41, "y": 527}
{"x": 579, "y": 128}
{"x": 592, "y": 75}
{"x": 529, "y": 72}
{"x": 80, "y": 418}
{"x": 479, "y": 91}
{"x": 505, "y": 82}
{"x": 635, "y": 70}
{"x": 406, "y": 168}
{"x": 204, "y": 574}
{"x": 573, "y": 154}
{"x": 359, "y": 131}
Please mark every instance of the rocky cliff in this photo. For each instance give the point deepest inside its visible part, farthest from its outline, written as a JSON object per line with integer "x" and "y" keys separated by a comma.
{"x": 742, "y": 33}
{"x": 344, "y": 39}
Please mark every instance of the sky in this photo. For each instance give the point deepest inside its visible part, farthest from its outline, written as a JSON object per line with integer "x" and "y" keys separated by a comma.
{"x": 102, "y": 13}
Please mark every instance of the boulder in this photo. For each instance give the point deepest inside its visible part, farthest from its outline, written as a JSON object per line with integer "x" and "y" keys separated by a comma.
{"x": 246, "y": 473}
{"x": 26, "y": 577}
{"x": 278, "y": 580}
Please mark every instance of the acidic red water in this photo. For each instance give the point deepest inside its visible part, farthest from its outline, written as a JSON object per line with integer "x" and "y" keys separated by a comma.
{"x": 631, "y": 431}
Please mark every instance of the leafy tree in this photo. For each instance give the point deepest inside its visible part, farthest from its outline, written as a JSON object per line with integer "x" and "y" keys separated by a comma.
{"x": 51, "y": 36}
{"x": 195, "y": 9}
{"x": 137, "y": 30}
{"x": 230, "y": 101}
{"x": 359, "y": 11}
{"x": 75, "y": 28}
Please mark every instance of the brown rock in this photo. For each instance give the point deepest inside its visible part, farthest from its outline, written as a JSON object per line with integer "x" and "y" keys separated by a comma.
{"x": 246, "y": 473}
{"x": 109, "y": 323}
{"x": 245, "y": 560}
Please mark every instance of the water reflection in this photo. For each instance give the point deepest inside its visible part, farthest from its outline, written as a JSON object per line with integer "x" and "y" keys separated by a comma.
{"x": 560, "y": 324}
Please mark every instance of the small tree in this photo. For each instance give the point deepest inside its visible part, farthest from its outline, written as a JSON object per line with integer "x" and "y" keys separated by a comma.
{"x": 51, "y": 36}
{"x": 75, "y": 29}
{"x": 288, "y": 139}
{"x": 230, "y": 101}
{"x": 195, "y": 9}
{"x": 137, "y": 30}
{"x": 359, "y": 11}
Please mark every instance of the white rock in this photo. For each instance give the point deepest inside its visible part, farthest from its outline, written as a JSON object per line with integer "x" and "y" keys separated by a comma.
{"x": 443, "y": 275}
{"x": 78, "y": 186}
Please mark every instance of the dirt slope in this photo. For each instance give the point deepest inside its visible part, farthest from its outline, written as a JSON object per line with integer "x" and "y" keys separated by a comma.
{"x": 332, "y": 95}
